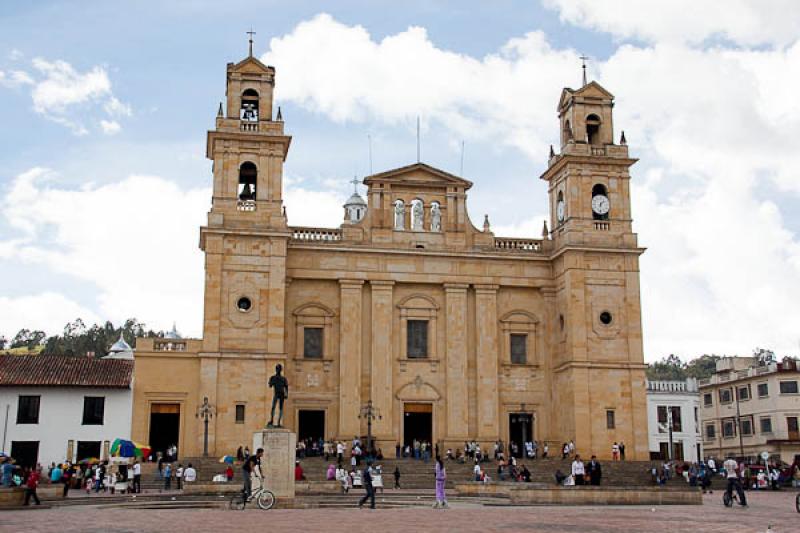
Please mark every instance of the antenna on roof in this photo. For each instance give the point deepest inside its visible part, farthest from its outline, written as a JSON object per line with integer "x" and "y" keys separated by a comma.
{"x": 369, "y": 141}
{"x": 461, "y": 172}
{"x": 583, "y": 66}
{"x": 418, "y": 158}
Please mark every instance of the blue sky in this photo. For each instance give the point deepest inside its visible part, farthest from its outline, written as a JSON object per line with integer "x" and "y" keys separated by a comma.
{"x": 106, "y": 104}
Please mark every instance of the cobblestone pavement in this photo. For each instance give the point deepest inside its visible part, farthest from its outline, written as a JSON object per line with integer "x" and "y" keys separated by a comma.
{"x": 766, "y": 509}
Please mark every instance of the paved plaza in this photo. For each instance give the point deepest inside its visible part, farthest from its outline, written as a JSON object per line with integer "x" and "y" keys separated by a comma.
{"x": 766, "y": 509}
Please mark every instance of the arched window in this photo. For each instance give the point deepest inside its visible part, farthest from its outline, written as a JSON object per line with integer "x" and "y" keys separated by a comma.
{"x": 399, "y": 215}
{"x": 248, "y": 175}
{"x": 249, "y": 110}
{"x": 566, "y": 135}
{"x": 600, "y": 202}
{"x": 593, "y": 129}
{"x": 417, "y": 214}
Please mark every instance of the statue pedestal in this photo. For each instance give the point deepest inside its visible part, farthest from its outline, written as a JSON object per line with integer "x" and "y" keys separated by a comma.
{"x": 277, "y": 464}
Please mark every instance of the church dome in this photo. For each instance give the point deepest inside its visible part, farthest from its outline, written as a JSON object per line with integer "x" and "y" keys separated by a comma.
{"x": 355, "y": 199}
{"x": 120, "y": 349}
{"x": 173, "y": 333}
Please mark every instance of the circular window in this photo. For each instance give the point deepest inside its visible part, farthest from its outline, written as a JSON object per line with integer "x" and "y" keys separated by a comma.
{"x": 605, "y": 317}
{"x": 244, "y": 304}
{"x": 561, "y": 321}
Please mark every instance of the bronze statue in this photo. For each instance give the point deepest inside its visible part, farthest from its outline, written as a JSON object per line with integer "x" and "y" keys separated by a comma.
{"x": 281, "y": 386}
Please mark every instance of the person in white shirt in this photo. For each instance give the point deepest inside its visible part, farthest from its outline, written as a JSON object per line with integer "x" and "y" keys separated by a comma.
{"x": 578, "y": 470}
{"x": 712, "y": 465}
{"x": 730, "y": 467}
{"x": 190, "y": 474}
{"x": 137, "y": 477}
{"x": 477, "y": 472}
{"x": 179, "y": 476}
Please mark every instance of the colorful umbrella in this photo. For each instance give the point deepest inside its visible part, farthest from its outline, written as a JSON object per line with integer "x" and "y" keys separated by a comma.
{"x": 128, "y": 448}
{"x": 226, "y": 459}
{"x": 89, "y": 461}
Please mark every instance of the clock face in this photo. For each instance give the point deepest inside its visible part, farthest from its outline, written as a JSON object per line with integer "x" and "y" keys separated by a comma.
{"x": 560, "y": 210}
{"x": 600, "y": 204}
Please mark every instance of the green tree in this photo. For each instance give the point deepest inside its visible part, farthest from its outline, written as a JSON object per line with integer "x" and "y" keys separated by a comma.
{"x": 78, "y": 340}
{"x": 702, "y": 367}
{"x": 670, "y": 368}
{"x": 28, "y": 339}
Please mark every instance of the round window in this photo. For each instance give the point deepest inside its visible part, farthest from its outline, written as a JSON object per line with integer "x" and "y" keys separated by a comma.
{"x": 244, "y": 304}
{"x": 605, "y": 317}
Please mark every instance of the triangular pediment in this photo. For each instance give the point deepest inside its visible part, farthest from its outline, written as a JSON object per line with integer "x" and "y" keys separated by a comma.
{"x": 250, "y": 65}
{"x": 419, "y": 175}
{"x": 590, "y": 90}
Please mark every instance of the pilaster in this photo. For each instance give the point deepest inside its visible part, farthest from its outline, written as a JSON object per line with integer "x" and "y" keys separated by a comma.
{"x": 456, "y": 361}
{"x": 350, "y": 357}
{"x": 487, "y": 361}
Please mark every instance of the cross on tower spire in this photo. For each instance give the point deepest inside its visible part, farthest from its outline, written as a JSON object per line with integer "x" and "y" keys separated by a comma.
{"x": 583, "y": 66}
{"x": 354, "y": 181}
{"x": 251, "y": 33}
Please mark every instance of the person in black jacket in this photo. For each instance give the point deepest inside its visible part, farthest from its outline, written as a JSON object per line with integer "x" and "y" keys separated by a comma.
{"x": 366, "y": 480}
{"x": 595, "y": 471}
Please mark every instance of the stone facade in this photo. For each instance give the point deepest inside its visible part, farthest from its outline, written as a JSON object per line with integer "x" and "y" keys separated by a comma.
{"x": 470, "y": 335}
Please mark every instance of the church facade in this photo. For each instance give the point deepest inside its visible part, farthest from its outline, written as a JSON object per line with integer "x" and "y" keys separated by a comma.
{"x": 449, "y": 332}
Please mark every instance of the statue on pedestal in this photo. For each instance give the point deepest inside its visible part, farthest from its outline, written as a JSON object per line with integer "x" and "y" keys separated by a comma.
{"x": 281, "y": 386}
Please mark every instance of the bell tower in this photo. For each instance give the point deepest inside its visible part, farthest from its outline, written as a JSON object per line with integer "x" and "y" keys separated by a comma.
{"x": 595, "y": 254}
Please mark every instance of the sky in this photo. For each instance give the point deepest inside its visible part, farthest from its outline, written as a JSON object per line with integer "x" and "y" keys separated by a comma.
{"x": 104, "y": 108}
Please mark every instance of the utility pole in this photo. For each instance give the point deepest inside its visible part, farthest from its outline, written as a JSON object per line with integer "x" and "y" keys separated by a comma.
{"x": 370, "y": 412}
{"x": 739, "y": 422}
{"x": 206, "y": 412}
{"x": 669, "y": 426}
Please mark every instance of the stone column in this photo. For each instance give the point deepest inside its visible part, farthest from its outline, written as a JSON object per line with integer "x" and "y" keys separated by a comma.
{"x": 487, "y": 361}
{"x": 350, "y": 358}
{"x": 381, "y": 366}
{"x": 456, "y": 361}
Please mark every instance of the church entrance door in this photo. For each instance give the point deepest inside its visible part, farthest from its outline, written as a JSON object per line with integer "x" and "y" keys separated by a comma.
{"x": 310, "y": 424}
{"x": 417, "y": 422}
{"x": 520, "y": 430}
{"x": 165, "y": 423}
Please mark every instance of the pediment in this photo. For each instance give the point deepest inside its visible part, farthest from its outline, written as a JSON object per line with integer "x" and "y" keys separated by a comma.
{"x": 590, "y": 90}
{"x": 419, "y": 175}
{"x": 250, "y": 65}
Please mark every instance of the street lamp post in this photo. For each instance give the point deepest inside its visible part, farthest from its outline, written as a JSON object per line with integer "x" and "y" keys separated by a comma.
{"x": 206, "y": 412}
{"x": 370, "y": 412}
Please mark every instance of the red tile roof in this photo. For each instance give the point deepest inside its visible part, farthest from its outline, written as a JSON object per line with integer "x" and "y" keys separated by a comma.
{"x": 64, "y": 371}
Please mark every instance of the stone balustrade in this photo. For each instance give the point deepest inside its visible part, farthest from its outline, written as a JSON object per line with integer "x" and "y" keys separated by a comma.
{"x": 248, "y": 126}
{"x": 518, "y": 245}
{"x": 602, "y": 226}
{"x": 246, "y": 205}
{"x": 169, "y": 346}
{"x": 316, "y": 234}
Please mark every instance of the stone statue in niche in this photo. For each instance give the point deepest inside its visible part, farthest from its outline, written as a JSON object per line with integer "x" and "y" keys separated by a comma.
{"x": 416, "y": 216}
{"x": 399, "y": 215}
{"x": 281, "y": 386}
{"x": 436, "y": 217}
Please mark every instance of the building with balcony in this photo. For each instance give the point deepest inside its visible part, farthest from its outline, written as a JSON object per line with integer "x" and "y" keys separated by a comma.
{"x": 750, "y": 406}
{"x": 673, "y": 405}
{"x": 452, "y": 332}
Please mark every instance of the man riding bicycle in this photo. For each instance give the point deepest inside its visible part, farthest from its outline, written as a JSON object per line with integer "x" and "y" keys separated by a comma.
{"x": 732, "y": 473}
{"x": 252, "y": 467}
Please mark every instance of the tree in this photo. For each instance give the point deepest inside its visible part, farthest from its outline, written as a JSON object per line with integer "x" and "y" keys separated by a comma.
{"x": 670, "y": 368}
{"x": 77, "y": 339}
{"x": 702, "y": 367}
{"x": 26, "y": 338}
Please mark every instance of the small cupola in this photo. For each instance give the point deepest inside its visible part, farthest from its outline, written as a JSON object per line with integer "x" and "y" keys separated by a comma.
{"x": 120, "y": 349}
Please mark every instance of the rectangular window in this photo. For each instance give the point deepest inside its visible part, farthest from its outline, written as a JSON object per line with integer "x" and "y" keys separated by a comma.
{"x": 312, "y": 343}
{"x": 766, "y": 425}
{"x": 240, "y": 414}
{"x": 747, "y": 426}
{"x": 728, "y": 428}
{"x": 711, "y": 431}
{"x": 519, "y": 349}
{"x": 677, "y": 424}
{"x": 763, "y": 390}
{"x": 611, "y": 421}
{"x": 725, "y": 396}
{"x": 744, "y": 393}
{"x": 788, "y": 387}
{"x": 417, "y": 339}
{"x": 662, "y": 419}
{"x": 28, "y": 410}
{"x": 93, "y": 410}
{"x": 708, "y": 399}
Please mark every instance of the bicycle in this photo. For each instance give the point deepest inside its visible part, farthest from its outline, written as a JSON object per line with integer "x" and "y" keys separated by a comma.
{"x": 263, "y": 497}
{"x": 797, "y": 503}
{"x": 729, "y": 498}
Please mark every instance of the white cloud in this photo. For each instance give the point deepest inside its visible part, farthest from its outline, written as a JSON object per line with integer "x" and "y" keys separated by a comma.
{"x": 746, "y": 22}
{"x": 110, "y": 127}
{"x": 47, "y": 311}
{"x": 313, "y": 208}
{"x": 709, "y": 123}
{"x": 64, "y": 95}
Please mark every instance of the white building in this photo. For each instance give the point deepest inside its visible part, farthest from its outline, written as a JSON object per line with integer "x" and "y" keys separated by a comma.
{"x": 57, "y": 408}
{"x": 674, "y": 403}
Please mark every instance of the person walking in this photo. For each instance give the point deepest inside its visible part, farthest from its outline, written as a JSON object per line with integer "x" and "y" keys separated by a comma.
{"x": 66, "y": 478}
{"x": 731, "y": 467}
{"x": 397, "y": 477}
{"x": 441, "y": 478}
{"x": 621, "y": 451}
{"x": 545, "y": 450}
{"x": 366, "y": 480}
{"x": 179, "y": 477}
{"x": 167, "y": 476}
{"x": 30, "y": 487}
{"x": 137, "y": 477}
